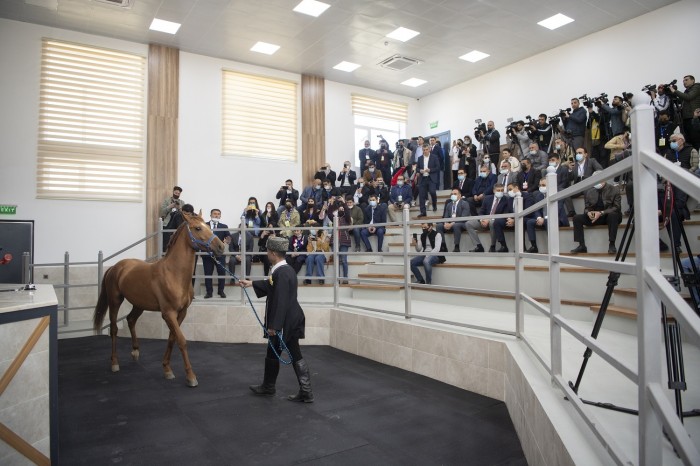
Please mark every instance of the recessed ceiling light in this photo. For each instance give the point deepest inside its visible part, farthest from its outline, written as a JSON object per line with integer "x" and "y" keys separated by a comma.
{"x": 474, "y": 56}
{"x": 311, "y": 7}
{"x": 164, "y": 26}
{"x": 264, "y": 47}
{"x": 402, "y": 34}
{"x": 414, "y": 82}
{"x": 555, "y": 21}
{"x": 346, "y": 66}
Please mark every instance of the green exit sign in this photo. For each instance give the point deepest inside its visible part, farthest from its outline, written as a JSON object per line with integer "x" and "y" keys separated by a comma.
{"x": 8, "y": 209}
{"x": 433, "y": 124}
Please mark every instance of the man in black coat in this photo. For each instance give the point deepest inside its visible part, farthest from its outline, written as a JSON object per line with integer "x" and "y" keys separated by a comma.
{"x": 220, "y": 230}
{"x": 284, "y": 319}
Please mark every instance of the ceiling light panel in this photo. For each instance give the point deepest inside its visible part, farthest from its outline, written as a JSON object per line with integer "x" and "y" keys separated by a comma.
{"x": 402, "y": 34}
{"x": 346, "y": 66}
{"x": 311, "y": 7}
{"x": 162, "y": 25}
{"x": 474, "y": 56}
{"x": 264, "y": 47}
{"x": 414, "y": 82}
{"x": 556, "y": 21}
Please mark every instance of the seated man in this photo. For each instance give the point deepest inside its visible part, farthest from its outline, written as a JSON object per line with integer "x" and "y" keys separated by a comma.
{"x": 371, "y": 173}
{"x": 357, "y": 217}
{"x": 374, "y": 213}
{"x": 537, "y": 157}
{"x": 362, "y": 192}
{"x": 464, "y": 184}
{"x": 287, "y": 193}
{"x": 528, "y": 177}
{"x": 482, "y": 187}
{"x": 538, "y": 219}
{"x": 500, "y": 224}
{"x": 580, "y": 170}
{"x": 319, "y": 242}
{"x": 400, "y": 194}
{"x": 381, "y": 190}
{"x": 602, "y": 207}
{"x": 455, "y": 207}
{"x": 506, "y": 176}
{"x": 312, "y": 192}
{"x": 493, "y": 204}
{"x": 297, "y": 250}
{"x": 328, "y": 191}
{"x": 431, "y": 243}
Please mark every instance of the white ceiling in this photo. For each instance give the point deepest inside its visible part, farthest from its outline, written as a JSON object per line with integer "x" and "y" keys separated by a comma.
{"x": 350, "y": 30}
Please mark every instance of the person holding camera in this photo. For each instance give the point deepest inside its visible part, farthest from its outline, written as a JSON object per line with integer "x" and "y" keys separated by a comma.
{"x": 521, "y": 137}
{"x": 326, "y": 173}
{"x": 615, "y": 114}
{"x": 399, "y": 195}
{"x": 384, "y": 159}
{"x": 431, "y": 243}
{"x": 402, "y": 156}
{"x": 690, "y": 101}
{"x": 455, "y": 155}
{"x": 169, "y": 209}
{"x": 575, "y": 123}
{"x": 318, "y": 246}
{"x": 346, "y": 179}
{"x": 489, "y": 138}
{"x": 541, "y": 133}
{"x": 287, "y": 193}
{"x": 467, "y": 159}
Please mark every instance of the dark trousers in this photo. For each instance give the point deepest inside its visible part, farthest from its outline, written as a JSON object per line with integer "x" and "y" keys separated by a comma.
{"x": 692, "y": 136}
{"x": 248, "y": 264}
{"x": 292, "y": 345}
{"x": 209, "y": 264}
{"x": 473, "y": 205}
{"x": 612, "y": 220}
{"x": 296, "y": 262}
{"x": 427, "y": 186}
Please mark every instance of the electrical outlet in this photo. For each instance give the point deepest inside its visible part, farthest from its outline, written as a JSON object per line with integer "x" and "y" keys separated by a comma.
{"x": 46, "y": 276}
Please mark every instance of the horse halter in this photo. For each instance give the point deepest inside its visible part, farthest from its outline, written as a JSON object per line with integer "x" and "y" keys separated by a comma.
{"x": 197, "y": 244}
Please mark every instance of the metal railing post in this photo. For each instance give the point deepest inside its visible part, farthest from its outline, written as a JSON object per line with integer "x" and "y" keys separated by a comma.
{"x": 554, "y": 271}
{"x": 519, "y": 266}
{"x": 159, "y": 239}
{"x": 336, "y": 266}
{"x": 26, "y": 277}
{"x": 100, "y": 270}
{"x": 66, "y": 289}
{"x": 406, "y": 263}
{"x": 242, "y": 236}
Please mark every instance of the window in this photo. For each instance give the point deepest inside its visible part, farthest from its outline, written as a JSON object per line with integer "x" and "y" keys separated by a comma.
{"x": 376, "y": 119}
{"x": 91, "y": 123}
{"x": 259, "y": 116}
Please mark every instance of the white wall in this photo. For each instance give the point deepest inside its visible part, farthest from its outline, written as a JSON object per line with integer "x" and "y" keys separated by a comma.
{"x": 79, "y": 227}
{"x": 651, "y": 49}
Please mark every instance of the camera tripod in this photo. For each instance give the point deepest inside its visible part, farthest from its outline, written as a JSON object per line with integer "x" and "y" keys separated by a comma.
{"x": 672, "y": 335}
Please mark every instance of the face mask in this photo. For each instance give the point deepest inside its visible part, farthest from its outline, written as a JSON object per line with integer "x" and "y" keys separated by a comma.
{"x": 487, "y": 160}
{"x": 453, "y": 198}
{"x": 483, "y": 174}
{"x": 400, "y": 183}
{"x": 215, "y": 220}
{"x": 511, "y": 193}
{"x": 533, "y": 152}
{"x": 504, "y": 171}
{"x": 312, "y": 232}
{"x": 552, "y": 164}
{"x": 525, "y": 167}
{"x": 371, "y": 170}
{"x": 557, "y": 147}
{"x": 373, "y": 203}
{"x": 579, "y": 157}
{"x": 317, "y": 187}
{"x": 425, "y": 229}
{"x": 498, "y": 194}
{"x": 310, "y": 206}
{"x": 543, "y": 189}
{"x": 460, "y": 177}
{"x": 674, "y": 145}
{"x": 598, "y": 186}
{"x": 328, "y": 188}
{"x": 269, "y": 209}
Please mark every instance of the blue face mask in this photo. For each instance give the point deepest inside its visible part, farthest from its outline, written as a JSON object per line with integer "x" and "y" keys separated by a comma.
{"x": 460, "y": 177}
{"x": 483, "y": 174}
{"x": 373, "y": 203}
{"x": 674, "y": 145}
{"x": 453, "y": 198}
{"x": 579, "y": 157}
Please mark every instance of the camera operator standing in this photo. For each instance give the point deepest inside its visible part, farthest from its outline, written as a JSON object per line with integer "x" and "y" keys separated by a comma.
{"x": 691, "y": 101}
{"x": 615, "y": 113}
{"x": 541, "y": 132}
{"x": 491, "y": 139}
{"x": 522, "y": 137}
{"x": 575, "y": 123}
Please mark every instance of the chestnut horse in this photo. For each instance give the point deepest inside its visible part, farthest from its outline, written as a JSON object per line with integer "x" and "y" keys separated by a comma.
{"x": 163, "y": 286}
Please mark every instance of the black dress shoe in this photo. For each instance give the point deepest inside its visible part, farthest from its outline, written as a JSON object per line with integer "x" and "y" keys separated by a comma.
{"x": 492, "y": 248}
{"x": 478, "y": 248}
{"x": 581, "y": 248}
{"x": 503, "y": 249}
{"x": 207, "y": 296}
{"x": 222, "y": 294}
{"x": 307, "y": 282}
{"x": 420, "y": 215}
{"x": 612, "y": 249}
{"x": 533, "y": 250}
{"x": 456, "y": 249}
{"x": 663, "y": 247}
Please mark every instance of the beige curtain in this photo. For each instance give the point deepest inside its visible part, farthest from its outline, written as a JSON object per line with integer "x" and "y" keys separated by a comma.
{"x": 313, "y": 127}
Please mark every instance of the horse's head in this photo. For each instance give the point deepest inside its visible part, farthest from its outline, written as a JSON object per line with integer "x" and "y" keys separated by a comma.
{"x": 201, "y": 236}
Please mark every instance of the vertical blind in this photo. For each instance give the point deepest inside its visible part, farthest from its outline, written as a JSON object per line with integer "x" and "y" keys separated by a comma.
{"x": 91, "y": 123}
{"x": 378, "y": 108}
{"x": 259, "y": 116}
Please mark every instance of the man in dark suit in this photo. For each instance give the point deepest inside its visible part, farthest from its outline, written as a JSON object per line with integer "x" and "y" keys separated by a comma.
{"x": 483, "y": 186}
{"x": 454, "y": 208}
{"x": 366, "y": 156}
{"x": 463, "y": 184}
{"x": 374, "y": 213}
{"x": 436, "y": 151}
{"x": 602, "y": 207}
{"x": 221, "y": 231}
{"x": 429, "y": 177}
{"x": 287, "y": 193}
{"x": 346, "y": 179}
{"x": 506, "y": 176}
{"x": 562, "y": 171}
{"x": 493, "y": 204}
{"x": 285, "y": 320}
{"x": 538, "y": 218}
{"x": 528, "y": 177}
{"x": 579, "y": 170}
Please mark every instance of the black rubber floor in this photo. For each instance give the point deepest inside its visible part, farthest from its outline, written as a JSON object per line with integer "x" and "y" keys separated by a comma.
{"x": 365, "y": 413}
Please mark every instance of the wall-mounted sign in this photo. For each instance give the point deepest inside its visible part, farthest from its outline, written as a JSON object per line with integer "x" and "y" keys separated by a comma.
{"x": 8, "y": 209}
{"x": 433, "y": 124}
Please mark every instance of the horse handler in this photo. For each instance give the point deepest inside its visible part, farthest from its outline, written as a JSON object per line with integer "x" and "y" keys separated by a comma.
{"x": 283, "y": 318}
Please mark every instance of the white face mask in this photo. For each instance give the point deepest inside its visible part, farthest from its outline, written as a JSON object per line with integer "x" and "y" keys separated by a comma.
{"x": 400, "y": 182}
{"x": 498, "y": 194}
{"x": 504, "y": 171}
{"x": 543, "y": 189}
{"x": 598, "y": 186}
{"x": 533, "y": 152}
{"x": 511, "y": 193}
{"x": 373, "y": 203}
{"x": 487, "y": 160}
{"x": 579, "y": 157}
{"x": 453, "y": 198}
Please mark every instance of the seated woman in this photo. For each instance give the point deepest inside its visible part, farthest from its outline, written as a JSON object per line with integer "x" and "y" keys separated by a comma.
{"x": 319, "y": 242}
{"x": 269, "y": 217}
{"x": 252, "y": 216}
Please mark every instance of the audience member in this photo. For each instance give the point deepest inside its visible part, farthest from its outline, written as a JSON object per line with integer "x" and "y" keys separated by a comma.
{"x": 357, "y": 217}
{"x": 463, "y": 183}
{"x": 296, "y": 257}
{"x": 399, "y": 195}
{"x": 265, "y": 234}
{"x": 325, "y": 173}
{"x": 537, "y": 157}
{"x": 580, "y": 170}
{"x": 366, "y": 156}
{"x": 483, "y": 186}
{"x": 431, "y": 243}
{"x": 602, "y": 207}
{"x": 236, "y": 246}
{"x": 383, "y": 159}
{"x": 493, "y": 204}
{"x": 269, "y": 218}
{"x": 347, "y": 178}
{"x": 402, "y": 157}
{"x": 528, "y": 178}
{"x": 313, "y": 191}
{"x": 506, "y": 176}
{"x": 319, "y": 243}
{"x": 170, "y": 205}
{"x": 374, "y": 213}
{"x": 289, "y": 218}
{"x": 371, "y": 173}
{"x": 429, "y": 169}
{"x": 538, "y": 219}
{"x": 454, "y": 208}
{"x": 682, "y": 154}
{"x": 221, "y": 231}
{"x": 251, "y": 213}
{"x": 287, "y": 193}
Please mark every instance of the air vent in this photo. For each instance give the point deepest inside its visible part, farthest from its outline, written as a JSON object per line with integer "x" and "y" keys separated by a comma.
{"x": 126, "y": 4}
{"x": 399, "y": 63}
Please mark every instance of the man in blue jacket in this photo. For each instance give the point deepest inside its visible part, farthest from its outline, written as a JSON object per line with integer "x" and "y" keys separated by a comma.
{"x": 399, "y": 195}
{"x": 374, "y": 213}
{"x": 483, "y": 186}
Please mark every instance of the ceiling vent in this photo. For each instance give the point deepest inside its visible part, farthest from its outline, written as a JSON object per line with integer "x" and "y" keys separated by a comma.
{"x": 126, "y": 4}
{"x": 399, "y": 63}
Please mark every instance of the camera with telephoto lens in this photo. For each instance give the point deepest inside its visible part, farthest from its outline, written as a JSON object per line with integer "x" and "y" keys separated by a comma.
{"x": 666, "y": 88}
{"x": 602, "y": 98}
{"x": 627, "y": 96}
{"x": 529, "y": 119}
{"x": 480, "y": 128}
{"x": 649, "y": 88}
{"x": 554, "y": 120}
{"x": 563, "y": 111}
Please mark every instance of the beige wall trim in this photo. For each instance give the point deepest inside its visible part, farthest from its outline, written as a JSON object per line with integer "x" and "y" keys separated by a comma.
{"x": 23, "y": 353}
{"x": 163, "y": 110}
{"x": 21, "y": 445}
{"x": 313, "y": 127}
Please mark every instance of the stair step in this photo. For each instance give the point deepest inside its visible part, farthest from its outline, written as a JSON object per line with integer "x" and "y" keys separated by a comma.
{"x": 376, "y": 287}
{"x": 617, "y": 310}
{"x": 381, "y": 275}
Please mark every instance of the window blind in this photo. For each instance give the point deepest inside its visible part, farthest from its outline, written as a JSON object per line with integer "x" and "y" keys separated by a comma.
{"x": 373, "y": 107}
{"x": 259, "y": 116}
{"x": 91, "y": 123}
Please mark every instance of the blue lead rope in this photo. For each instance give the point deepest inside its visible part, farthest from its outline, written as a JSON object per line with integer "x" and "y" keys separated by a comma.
{"x": 280, "y": 335}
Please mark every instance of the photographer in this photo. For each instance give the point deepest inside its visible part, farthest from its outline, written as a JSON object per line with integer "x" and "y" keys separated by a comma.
{"x": 521, "y": 137}
{"x": 575, "y": 122}
{"x": 384, "y": 158}
{"x": 402, "y": 156}
{"x": 490, "y": 139}
{"x": 467, "y": 158}
{"x": 616, "y": 123}
{"x": 455, "y": 155}
{"x": 346, "y": 179}
{"x": 691, "y": 101}
{"x": 169, "y": 210}
{"x": 287, "y": 193}
{"x": 325, "y": 173}
{"x": 541, "y": 132}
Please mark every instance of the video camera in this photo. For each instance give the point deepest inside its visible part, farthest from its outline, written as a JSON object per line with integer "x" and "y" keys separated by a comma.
{"x": 603, "y": 98}
{"x": 627, "y": 97}
{"x": 649, "y": 88}
{"x": 480, "y": 126}
{"x": 666, "y": 88}
{"x": 563, "y": 111}
{"x": 586, "y": 101}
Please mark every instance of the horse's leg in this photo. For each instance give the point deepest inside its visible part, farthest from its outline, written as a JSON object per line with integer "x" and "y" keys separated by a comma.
{"x": 114, "y": 305}
{"x": 131, "y": 320}
{"x": 167, "y": 370}
{"x": 175, "y": 331}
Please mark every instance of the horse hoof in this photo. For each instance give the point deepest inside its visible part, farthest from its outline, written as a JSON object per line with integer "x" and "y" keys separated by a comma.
{"x": 192, "y": 383}
{"x": 169, "y": 375}
{"x": 135, "y": 355}
{"x": 115, "y": 367}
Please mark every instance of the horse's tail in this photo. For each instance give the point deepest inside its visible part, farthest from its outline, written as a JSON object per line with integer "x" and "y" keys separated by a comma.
{"x": 102, "y": 305}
